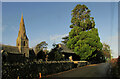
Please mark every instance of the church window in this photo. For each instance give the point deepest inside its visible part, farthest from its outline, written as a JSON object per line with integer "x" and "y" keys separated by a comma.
{"x": 24, "y": 43}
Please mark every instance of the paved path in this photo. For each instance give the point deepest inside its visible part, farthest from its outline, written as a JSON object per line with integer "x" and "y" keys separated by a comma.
{"x": 95, "y": 70}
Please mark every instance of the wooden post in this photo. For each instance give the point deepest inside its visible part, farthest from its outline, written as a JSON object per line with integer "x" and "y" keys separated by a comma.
{"x": 39, "y": 75}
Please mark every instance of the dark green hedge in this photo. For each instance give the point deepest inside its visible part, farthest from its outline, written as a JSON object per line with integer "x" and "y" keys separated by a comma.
{"x": 32, "y": 69}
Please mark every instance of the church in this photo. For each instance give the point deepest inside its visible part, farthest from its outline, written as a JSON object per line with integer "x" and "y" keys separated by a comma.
{"x": 21, "y": 50}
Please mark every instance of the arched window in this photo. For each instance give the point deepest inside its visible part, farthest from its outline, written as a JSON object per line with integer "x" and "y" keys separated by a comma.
{"x": 24, "y": 43}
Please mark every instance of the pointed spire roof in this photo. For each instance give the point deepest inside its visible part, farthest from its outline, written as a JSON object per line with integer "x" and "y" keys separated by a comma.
{"x": 22, "y": 26}
{"x": 22, "y": 20}
{"x": 22, "y": 32}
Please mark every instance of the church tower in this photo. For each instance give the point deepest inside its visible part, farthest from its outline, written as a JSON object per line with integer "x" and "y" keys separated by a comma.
{"x": 22, "y": 41}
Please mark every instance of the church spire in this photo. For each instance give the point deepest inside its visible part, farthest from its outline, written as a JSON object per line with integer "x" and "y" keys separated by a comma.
{"x": 22, "y": 41}
{"x": 22, "y": 20}
{"x": 22, "y": 31}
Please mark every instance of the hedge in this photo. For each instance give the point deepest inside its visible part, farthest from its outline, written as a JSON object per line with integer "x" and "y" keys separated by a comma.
{"x": 32, "y": 69}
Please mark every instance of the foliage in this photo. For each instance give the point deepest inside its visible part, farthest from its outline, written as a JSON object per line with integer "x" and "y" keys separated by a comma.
{"x": 106, "y": 50}
{"x": 31, "y": 70}
{"x": 66, "y": 38}
{"x": 40, "y": 46}
{"x": 118, "y": 62}
{"x": 115, "y": 67}
{"x": 41, "y": 55}
{"x": 55, "y": 54}
{"x": 81, "y": 18}
{"x": 98, "y": 58}
{"x": 83, "y": 37}
{"x": 32, "y": 54}
{"x": 84, "y": 43}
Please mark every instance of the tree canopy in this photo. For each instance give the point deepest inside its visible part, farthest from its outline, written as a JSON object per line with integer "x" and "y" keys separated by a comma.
{"x": 81, "y": 18}
{"x": 65, "y": 40}
{"x": 83, "y": 38}
{"x": 40, "y": 46}
{"x": 106, "y": 50}
{"x": 84, "y": 43}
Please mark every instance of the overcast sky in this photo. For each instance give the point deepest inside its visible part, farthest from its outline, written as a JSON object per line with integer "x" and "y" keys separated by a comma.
{"x": 50, "y": 21}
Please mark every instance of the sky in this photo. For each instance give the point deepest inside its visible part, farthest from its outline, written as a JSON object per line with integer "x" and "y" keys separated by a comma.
{"x": 50, "y": 21}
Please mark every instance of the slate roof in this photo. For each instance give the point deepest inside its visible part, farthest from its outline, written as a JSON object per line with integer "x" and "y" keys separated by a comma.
{"x": 10, "y": 49}
{"x": 65, "y": 49}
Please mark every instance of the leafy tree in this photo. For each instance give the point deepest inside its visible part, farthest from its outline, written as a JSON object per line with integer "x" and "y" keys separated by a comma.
{"x": 107, "y": 51}
{"x": 84, "y": 43}
{"x": 98, "y": 58}
{"x": 118, "y": 62}
{"x": 81, "y": 18}
{"x": 55, "y": 54}
{"x": 65, "y": 39}
{"x": 40, "y": 46}
{"x": 83, "y": 37}
{"x": 41, "y": 55}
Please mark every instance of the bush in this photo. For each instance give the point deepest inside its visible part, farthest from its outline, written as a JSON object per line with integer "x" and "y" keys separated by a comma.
{"x": 41, "y": 55}
{"x": 118, "y": 62}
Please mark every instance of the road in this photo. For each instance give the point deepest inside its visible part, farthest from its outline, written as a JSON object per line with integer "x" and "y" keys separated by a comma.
{"x": 95, "y": 70}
